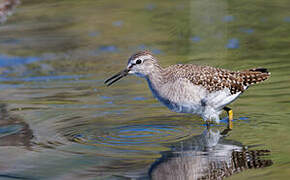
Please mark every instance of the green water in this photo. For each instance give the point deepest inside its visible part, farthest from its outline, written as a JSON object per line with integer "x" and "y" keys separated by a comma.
{"x": 59, "y": 121}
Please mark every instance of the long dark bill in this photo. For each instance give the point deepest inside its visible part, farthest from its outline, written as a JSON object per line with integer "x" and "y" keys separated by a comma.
{"x": 116, "y": 77}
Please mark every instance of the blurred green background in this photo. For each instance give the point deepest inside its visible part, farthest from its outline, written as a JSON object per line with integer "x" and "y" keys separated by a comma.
{"x": 59, "y": 121}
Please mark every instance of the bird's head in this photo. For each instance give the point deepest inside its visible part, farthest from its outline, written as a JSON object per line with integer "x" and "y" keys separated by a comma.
{"x": 140, "y": 64}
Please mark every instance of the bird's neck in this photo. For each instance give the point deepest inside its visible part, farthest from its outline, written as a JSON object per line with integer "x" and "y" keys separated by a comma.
{"x": 156, "y": 78}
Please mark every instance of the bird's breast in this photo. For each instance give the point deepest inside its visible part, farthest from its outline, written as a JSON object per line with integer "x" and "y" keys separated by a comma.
{"x": 179, "y": 96}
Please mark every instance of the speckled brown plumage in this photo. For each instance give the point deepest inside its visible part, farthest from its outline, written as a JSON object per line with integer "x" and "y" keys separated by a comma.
{"x": 214, "y": 79}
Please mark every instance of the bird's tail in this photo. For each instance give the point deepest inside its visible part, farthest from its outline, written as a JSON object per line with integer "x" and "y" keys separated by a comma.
{"x": 253, "y": 76}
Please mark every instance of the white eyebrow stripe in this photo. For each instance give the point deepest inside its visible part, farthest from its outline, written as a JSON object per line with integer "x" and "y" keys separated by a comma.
{"x": 144, "y": 57}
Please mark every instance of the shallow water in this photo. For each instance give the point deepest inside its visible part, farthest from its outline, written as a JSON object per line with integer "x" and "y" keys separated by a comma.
{"x": 59, "y": 121}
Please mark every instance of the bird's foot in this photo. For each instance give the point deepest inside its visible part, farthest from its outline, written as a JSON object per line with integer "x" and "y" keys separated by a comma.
{"x": 208, "y": 123}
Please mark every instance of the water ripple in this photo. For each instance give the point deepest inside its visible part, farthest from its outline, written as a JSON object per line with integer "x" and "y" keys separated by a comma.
{"x": 133, "y": 136}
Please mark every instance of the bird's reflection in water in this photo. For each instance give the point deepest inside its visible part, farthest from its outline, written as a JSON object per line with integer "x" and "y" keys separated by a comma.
{"x": 13, "y": 130}
{"x": 207, "y": 156}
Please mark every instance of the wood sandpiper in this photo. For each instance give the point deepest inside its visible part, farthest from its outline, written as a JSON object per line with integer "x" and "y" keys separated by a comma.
{"x": 189, "y": 88}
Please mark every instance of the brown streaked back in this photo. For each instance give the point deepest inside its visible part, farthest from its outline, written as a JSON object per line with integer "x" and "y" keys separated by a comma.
{"x": 253, "y": 76}
{"x": 214, "y": 79}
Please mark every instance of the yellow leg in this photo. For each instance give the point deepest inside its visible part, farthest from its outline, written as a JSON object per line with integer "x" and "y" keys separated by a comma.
{"x": 231, "y": 117}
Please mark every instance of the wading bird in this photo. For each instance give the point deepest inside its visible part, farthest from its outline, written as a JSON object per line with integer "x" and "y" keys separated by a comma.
{"x": 189, "y": 88}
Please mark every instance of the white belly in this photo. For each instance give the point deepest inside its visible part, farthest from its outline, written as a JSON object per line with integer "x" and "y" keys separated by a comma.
{"x": 184, "y": 97}
{"x": 181, "y": 96}
{"x": 194, "y": 108}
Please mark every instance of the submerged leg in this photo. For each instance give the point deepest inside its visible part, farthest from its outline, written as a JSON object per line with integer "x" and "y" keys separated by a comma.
{"x": 231, "y": 117}
{"x": 207, "y": 124}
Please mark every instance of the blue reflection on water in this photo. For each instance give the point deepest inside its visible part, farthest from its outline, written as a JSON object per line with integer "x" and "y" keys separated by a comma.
{"x": 142, "y": 47}
{"x": 109, "y": 48}
{"x": 247, "y": 30}
{"x": 10, "y": 41}
{"x": 233, "y": 43}
{"x": 105, "y": 97}
{"x": 195, "y": 39}
{"x": 140, "y": 130}
{"x": 228, "y": 18}
{"x": 94, "y": 34}
{"x": 9, "y": 129}
{"x": 136, "y": 131}
{"x": 156, "y": 51}
{"x": 287, "y": 19}
{"x": 139, "y": 98}
{"x": 243, "y": 119}
{"x": 136, "y": 135}
{"x": 148, "y": 128}
{"x": 150, "y": 7}
{"x": 6, "y": 60}
{"x": 41, "y": 78}
{"x": 118, "y": 23}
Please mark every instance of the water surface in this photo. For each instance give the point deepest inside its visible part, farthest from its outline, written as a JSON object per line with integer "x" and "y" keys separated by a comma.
{"x": 59, "y": 121}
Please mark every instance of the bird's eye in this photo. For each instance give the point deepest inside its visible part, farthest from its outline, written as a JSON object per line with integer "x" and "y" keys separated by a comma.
{"x": 138, "y": 61}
